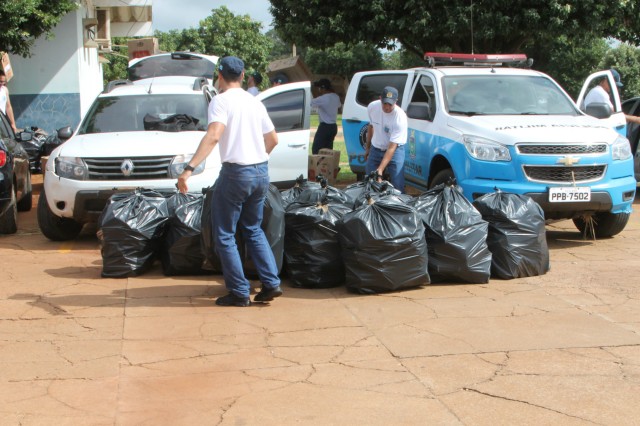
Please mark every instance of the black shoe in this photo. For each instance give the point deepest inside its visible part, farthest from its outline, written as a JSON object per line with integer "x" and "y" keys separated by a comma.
{"x": 232, "y": 300}
{"x": 268, "y": 294}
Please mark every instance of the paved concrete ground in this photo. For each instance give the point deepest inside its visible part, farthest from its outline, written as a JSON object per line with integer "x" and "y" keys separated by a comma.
{"x": 77, "y": 349}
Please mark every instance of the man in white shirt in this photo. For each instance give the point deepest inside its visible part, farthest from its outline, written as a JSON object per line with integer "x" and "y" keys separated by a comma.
{"x": 601, "y": 93}
{"x": 240, "y": 126}
{"x": 386, "y": 137}
{"x": 5, "y": 102}
{"x": 328, "y": 103}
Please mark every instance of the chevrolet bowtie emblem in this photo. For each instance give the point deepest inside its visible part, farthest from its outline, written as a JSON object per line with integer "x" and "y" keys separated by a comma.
{"x": 568, "y": 161}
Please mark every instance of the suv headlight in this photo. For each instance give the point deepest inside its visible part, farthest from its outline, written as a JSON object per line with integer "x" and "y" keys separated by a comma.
{"x": 71, "y": 168}
{"x": 178, "y": 164}
{"x": 485, "y": 149}
{"x": 621, "y": 148}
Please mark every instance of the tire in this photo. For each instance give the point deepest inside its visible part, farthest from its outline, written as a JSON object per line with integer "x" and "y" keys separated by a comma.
{"x": 605, "y": 225}
{"x": 9, "y": 221}
{"x": 443, "y": 176}
{"x": 53, "y": 227}
{"x": 24, "y": 205}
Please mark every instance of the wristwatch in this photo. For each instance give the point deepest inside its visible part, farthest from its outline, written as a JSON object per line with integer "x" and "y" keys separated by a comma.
{"x": 189, "y": 168}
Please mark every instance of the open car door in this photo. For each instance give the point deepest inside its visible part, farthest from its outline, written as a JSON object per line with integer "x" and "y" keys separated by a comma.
{"x": 616, "y": 121}
{"x": 289, "y": 106}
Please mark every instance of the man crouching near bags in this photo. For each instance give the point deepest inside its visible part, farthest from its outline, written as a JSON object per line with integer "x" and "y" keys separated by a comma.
{"x": 240, "y": 124}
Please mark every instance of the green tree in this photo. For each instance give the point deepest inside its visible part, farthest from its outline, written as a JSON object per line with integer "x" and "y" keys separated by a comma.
{"x": 23, "y": 21}
{"x": 187, "y": 40}
{"x": 480, "y": 26}
{"x": 625, "y": 58}
{"x": 343, "y": 60}
{"x": 279, "y": 49}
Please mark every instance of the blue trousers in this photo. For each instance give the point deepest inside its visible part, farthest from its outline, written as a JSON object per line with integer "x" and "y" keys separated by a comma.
{"x": 237, "y": 204}
{"x": 395, "y": 168}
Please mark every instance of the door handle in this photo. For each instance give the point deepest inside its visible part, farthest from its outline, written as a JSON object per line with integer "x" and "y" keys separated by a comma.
{"x": 297, "y": 145}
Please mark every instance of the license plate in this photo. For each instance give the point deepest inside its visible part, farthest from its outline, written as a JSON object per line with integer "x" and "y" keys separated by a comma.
{"x": 569, "y": 194}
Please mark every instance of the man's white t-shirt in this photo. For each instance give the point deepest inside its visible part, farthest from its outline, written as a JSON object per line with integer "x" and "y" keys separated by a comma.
{"x": 246, "y": 122}
{"x": 327, "y": 105}
{"x": 599, "y": 95}
{"x": 253, "y": 90}
{"x": 391, "y": 127}
{"x": 3, "y": 99}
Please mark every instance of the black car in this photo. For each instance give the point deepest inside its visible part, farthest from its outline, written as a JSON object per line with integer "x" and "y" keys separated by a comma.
{"x": 15, "y": 177}
{"x": 632, "y": 107}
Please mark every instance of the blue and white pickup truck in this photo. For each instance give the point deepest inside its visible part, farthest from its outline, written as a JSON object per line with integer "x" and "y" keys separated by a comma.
{"x": 494, "y": 126}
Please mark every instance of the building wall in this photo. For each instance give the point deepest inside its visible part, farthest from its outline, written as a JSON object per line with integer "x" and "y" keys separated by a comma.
{"x": 56, "y": 85}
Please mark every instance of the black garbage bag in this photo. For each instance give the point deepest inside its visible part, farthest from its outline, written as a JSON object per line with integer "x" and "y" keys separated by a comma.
{"x": 383, "y": 247}
{"x": 173, "y": 123}
{"x": 290, "y": 195}
{"x": 181, "y": 252}
{"x": 131, "y": 229}
{"x": 370, "y": 187}
{"x": 456, "y": 236}
{"x": 313, "y": 194}
{"x": 517, "y": 235}
{"x": 34, "y": 147}
{"x": 312, "y": 249}
{"x": 50, "y": 143}
{"x": 272, "y": 225}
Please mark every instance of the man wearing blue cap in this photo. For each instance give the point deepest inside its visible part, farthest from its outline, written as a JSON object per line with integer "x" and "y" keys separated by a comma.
{"x": 386, "y": 137}
{"x": 601, "y": 93}
{"x": 241, "y": 128}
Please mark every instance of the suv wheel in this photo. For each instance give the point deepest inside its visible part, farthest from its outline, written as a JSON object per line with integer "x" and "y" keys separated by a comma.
{"x": 24, "y": 205}
{"x": 9, "y": 221}
{"x": 605, "y": 224}
{"x": 53, "y": 227}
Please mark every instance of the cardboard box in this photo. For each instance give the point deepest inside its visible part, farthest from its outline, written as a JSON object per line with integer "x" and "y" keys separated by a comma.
{"x": 6, "y": 66}
{"x": 293, "y": 68}
{"x": 326, "y": 165}
{"x": 141, "y": 47}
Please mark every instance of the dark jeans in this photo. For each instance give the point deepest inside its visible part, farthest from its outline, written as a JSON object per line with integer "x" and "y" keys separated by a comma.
{"x": 324, "y": 137}
{"x": 238, "y": 202}
{"x": 395, "y": 168}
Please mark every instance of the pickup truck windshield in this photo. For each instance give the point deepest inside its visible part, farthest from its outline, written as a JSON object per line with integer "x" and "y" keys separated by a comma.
{"x": 505, "y": 95}
{"x": 127, "y": 113}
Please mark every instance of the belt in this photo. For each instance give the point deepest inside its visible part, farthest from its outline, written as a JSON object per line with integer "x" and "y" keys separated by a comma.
{"x": 381, "y": 150}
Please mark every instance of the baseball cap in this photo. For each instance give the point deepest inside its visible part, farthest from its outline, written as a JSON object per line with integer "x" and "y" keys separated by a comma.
{"x": 257, "y": 77}
{"x": 230, "y": 66}
{"x": 616, "y": 77}
{"x": 280, "y": 79}
{"x": 389, "y": 95}
{"x": 323, "y": 83}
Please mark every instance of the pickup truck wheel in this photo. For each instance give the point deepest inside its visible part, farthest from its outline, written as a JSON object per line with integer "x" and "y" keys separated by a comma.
{"x": 24, "y": 205}
{"x": 605, "y": 225}
{"x": 443, "y": 176}
{"x": 53, "y": 227}
{"x": 9, "y": 221}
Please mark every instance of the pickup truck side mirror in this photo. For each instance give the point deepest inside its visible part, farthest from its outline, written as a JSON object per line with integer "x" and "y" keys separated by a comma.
{"x": 419, "y": 110}
{"x": 65, "y": 133}
{"x": 598, "y": 110}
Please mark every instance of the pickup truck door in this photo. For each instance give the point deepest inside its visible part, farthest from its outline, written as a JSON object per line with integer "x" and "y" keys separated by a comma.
{"x": 289, "y": 106}
{"x": 364, "y": 88}
{"x": 616, "y": 121}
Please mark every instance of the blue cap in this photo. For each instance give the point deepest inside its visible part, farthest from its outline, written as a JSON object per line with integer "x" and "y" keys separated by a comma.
{"x": 389, "y": 95}
{"x": 231, "y": 66}
{"x": 616, "y": 77}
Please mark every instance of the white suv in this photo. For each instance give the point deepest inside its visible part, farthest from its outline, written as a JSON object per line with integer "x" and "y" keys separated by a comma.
{"x": 142, "y": 135}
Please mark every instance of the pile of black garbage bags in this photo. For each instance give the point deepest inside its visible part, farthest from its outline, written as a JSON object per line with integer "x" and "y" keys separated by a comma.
{"x": 368, "y": 237}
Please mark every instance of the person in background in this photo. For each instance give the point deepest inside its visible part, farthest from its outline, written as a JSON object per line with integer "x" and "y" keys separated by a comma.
{"x": 5, "y": 102}
{"x": 254, "y": 80}
{"x": 386, "y": 137}
{"x": 240, "y": 125}
{"x": 601, "y": 93}
{"x": 328, "y": 103}
{"x": 279, "y": 79}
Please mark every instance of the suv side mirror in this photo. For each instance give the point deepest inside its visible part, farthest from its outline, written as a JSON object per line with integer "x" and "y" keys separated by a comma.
{"x": 598, "y": 110}
{"x": 24, "y": 136}
{"x": 65, "y": 133}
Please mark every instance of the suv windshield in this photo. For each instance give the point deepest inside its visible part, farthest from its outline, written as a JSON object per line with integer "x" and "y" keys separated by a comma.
{"x": 505, "y": 95}
{"x": 127, "y": 113}
{"x": 171, "y": 65}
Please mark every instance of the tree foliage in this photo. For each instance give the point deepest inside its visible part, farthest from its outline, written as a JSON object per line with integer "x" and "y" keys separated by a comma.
{"x": 343, "y": 60}
{"x": 480, "y": 26}
{"x": 23, "y": 21}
